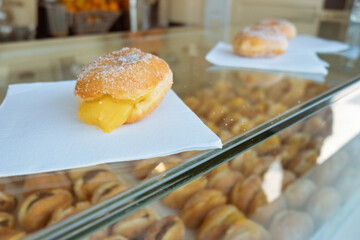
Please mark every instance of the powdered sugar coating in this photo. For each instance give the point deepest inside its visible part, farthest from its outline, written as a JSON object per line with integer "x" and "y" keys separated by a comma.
{"x": 275, "y": 21}
{"x": 284, "y": 26}
{"x": 125, "y": 74}
{"x": 268, "y": 34}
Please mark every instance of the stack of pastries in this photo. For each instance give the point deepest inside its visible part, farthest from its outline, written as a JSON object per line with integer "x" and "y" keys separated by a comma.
{"x": 230, "y": 202}
{"x": 266, "y": 38}
{"x": 45, "y": 199}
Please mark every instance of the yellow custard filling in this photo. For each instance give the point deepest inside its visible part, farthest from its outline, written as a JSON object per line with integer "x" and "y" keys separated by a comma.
{"x": 105, "y": 112}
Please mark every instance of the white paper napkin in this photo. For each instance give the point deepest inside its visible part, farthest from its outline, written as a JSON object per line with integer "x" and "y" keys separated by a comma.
{"x": 40, "y": 131}
{"x": 315, "y": 44}
{"x": 300, "y": 57}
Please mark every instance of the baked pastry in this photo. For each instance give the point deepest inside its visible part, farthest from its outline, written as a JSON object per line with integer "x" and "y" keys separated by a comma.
{"x": 143, "y": 167}
{"x": 260, "y": 42}
{"x": 121, "y": 87}
{"x": 255, "y": 166}
{"x": 62, "y": 213}
{"x": 199, "y": 205}
{"x": 244, "y": 191}
{"x": 179, "y": 197}
{"x": 7, "y": 202}
{"x": 242, "y": 124}
{"x": 6, "y": 220}
{"x": 86, "y": 185}
{"x": 217, "y": 221}
{"x": 11, "y": 234}
{"x": 323, "y": 204}
{"x": 245, "y": 229}
{"x": 168, "y": 228}
{"x": 299, "y": 192}
{"x": 237, "y": 163}
{"x": 37, "y": 208}
{"x": 285, "y": 27}
{"x": 268, "y": 145}
{"x": 303, "y": 162}
{"x": 106, "y": 191}
{"x": 46, "y": 181}
{"x": 291, "y": 225}
{"x": 224, "y": 180}
{"x": 293, "y": 144}
{"x": 223, "y": 167}
{"x": 75, "y": 174}
{"x": 299, "y": 140}
{"x": 135, "y": 224}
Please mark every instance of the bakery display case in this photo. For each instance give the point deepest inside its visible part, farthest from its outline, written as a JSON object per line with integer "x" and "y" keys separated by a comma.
{"x": 288, "y": 168}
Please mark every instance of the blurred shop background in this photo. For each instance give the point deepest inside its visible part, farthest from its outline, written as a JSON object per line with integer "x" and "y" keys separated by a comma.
{"x": 38, "y": 19}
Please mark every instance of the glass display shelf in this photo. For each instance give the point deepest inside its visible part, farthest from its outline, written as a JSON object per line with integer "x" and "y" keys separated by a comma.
{"x": 253, "y": 112}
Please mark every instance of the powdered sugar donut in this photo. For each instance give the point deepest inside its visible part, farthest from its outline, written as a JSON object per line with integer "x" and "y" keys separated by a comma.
{"x": 256, "y": 42}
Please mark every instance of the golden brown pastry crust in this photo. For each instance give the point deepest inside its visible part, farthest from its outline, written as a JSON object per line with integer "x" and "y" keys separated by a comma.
{"x": 199, "y": 205}
{"x": 146, "y": 106}
{"x": 7, "y": 202}
{"x": 244, "y": 191}
{"x": 224, "y": 180}
{"x": 106, "y": 191}
{"x": 144, "y": 167}
{"x": 168, "y": 228}
{"x": 259, "y": 42}
{"x": 6, "y": 220}
{"x": 86, "y": 185}
{"x": 11, "y": 234}
{"x": 46, "y": 181}
{"x": 303, "y": 162}
{"x": 75, "y": 174}
{"x": 37, "y": 208}
{"x": 135, "y": 224}
{"x": 179, "y": 197}
{"x": 129, "y": 75}
{"x": 217, "y": 222}
{"x": 62, "y": 213}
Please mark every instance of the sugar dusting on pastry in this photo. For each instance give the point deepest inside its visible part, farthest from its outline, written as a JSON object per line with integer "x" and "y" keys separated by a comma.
{"x": 118, "y": 65}
{"x": 267, "y": 38}
{"x": 121, "y": 87}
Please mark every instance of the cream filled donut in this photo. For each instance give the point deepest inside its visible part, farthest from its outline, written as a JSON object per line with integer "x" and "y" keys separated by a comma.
{"x": 256, "y": 42}
{"x": 121, "y": 87}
